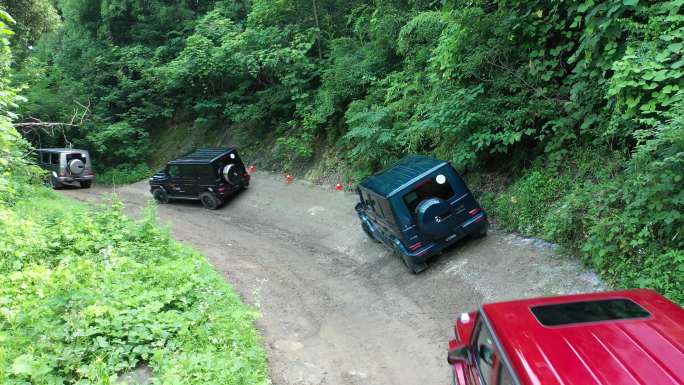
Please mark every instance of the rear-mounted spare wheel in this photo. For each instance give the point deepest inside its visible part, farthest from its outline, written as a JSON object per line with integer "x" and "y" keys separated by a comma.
{"x": 76, "y": 167}
{"x": 434, "y": 218}
{"x": 231, "y": 174}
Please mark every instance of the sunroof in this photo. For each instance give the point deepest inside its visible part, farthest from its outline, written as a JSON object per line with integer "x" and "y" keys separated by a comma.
{"x": 588, "y": 311}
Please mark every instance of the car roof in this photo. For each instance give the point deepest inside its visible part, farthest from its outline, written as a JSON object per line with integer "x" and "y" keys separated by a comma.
{"x": 61, "y": 150}
{"x": 203, "y": 156}
{"x": 618, "y": 352}
{"x": 405, "y": 172}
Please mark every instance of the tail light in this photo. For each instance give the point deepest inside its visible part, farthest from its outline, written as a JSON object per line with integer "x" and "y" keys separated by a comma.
{"x": 416, "y": 246}
{"x": 474, "y": 211}
{"x": 222, "y": 189}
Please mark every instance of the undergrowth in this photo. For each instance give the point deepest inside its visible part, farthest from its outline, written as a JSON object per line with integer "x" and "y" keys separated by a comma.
{"x": 624, "y": 217}
{"x": 87, "y": 294}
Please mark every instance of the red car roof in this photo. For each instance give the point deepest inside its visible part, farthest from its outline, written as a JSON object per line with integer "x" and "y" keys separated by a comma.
{"x": 647, "y": 351}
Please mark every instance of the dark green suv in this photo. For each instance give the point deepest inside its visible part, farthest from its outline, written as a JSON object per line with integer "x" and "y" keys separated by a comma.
{"x": 210, "y": 175}
{"x": 418, "y": 207}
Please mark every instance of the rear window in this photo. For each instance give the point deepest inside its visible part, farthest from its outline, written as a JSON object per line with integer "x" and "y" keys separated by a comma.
{"x": 72, "y": 156}
{"x": 588, "y": 311}
{"x": 429, "y": 188}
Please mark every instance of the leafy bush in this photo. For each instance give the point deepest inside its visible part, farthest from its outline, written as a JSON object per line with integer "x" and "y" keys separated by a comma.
{"x": 628, "y": 225}
{"x": 119, "y": 143}
{"x": 86, "y": 294}
{"x": 527, "y": 204}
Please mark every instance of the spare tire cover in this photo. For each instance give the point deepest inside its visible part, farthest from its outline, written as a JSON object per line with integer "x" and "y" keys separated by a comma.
{"x": 231, "y": 174}
{"x": 76, "y": 166}
{"x": 434, "y": 219}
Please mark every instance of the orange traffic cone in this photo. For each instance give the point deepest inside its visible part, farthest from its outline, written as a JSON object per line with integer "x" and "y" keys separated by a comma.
{"x": 252, "y": 169}
{"x": 288, "y": 178}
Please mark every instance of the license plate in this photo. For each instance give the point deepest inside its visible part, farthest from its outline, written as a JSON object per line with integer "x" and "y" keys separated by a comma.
{"x": 450, "y": 237}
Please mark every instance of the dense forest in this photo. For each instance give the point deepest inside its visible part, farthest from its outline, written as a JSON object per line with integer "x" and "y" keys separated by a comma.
{"x": 565, "y": 116}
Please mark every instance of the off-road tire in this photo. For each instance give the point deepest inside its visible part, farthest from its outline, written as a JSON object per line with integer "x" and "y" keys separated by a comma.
{"x": 86, "y": 184}
{"x": 160, "y": 195}
{"x": 55, "y": 184}
{"x": 413, "y": 267}
{"x": 481, "y": 232}
{"x": 209, "y": 200}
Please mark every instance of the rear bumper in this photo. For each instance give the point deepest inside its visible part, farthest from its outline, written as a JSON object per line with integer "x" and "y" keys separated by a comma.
{"x": 84, "y": 178}
{"x": 430, "y": 249}
{"x": 427, "y": 251}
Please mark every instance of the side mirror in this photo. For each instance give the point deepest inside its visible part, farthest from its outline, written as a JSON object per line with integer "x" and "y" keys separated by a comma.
{"x": 486, "y": 354}
{"x": 458, "y": 352}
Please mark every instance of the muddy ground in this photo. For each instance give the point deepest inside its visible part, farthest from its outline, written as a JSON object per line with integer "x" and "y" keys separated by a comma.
{"x": 337, "y": 308}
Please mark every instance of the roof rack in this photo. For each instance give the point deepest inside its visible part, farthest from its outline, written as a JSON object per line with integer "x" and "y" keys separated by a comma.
{"x": 203, "y": 155}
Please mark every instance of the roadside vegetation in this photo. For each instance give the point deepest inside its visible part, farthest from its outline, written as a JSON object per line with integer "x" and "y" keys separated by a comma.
{"x": 566, "y": 115}
{"x": 87, "y": 294}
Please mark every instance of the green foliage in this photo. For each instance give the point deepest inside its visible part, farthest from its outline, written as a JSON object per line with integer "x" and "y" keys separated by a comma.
{"x": 34, "y": 18}
{"x": 119, "y": 143}
{"x": 519, "y": 87}
{"x": 124, "y": 174}
{"x": 87, "y": 294}
{"x": 526, "y": 205}
{"x": 625, "y": 220}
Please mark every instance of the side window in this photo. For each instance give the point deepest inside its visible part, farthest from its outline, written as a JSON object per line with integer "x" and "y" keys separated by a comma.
{"x": 386, "y": 208}
{"x": 370, "y": 202}
{"x": 54, "y": 158}
{"x": 486, "y": 356}
{"x": 505, "y": 377}
{"x": 174, "y": 171}
{"x": 193, "y": 171}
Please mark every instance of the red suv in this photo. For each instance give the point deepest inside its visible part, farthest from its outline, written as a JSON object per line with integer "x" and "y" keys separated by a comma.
{"x": 617, "y": 338}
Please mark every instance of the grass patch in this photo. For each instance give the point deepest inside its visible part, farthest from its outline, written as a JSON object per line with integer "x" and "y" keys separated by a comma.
{"x": 87, "y": 293}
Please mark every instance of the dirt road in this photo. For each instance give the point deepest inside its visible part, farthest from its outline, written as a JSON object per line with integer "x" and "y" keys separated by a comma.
{"x": 341, "y": 310}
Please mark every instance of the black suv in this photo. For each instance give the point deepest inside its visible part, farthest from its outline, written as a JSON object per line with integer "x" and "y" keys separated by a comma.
{"x": 419, "y": 207}
{"x": 209, "y": 175}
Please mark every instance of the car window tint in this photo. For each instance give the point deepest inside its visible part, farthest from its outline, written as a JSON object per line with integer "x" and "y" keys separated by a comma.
{"x": 427, "y": 189}
{"x": 201, "y": 170}
{"x": 386, "y": 208}
{"x": 72, "y": 156}
{"x": 54, "y": 158}
{"x": 174, "y": 171}
{"x": 485, "y": 354}
{"x": 588, "y": 311}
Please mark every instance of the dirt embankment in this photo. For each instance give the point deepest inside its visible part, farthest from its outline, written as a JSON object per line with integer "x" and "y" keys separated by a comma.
{"x": 338, "y": 308}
